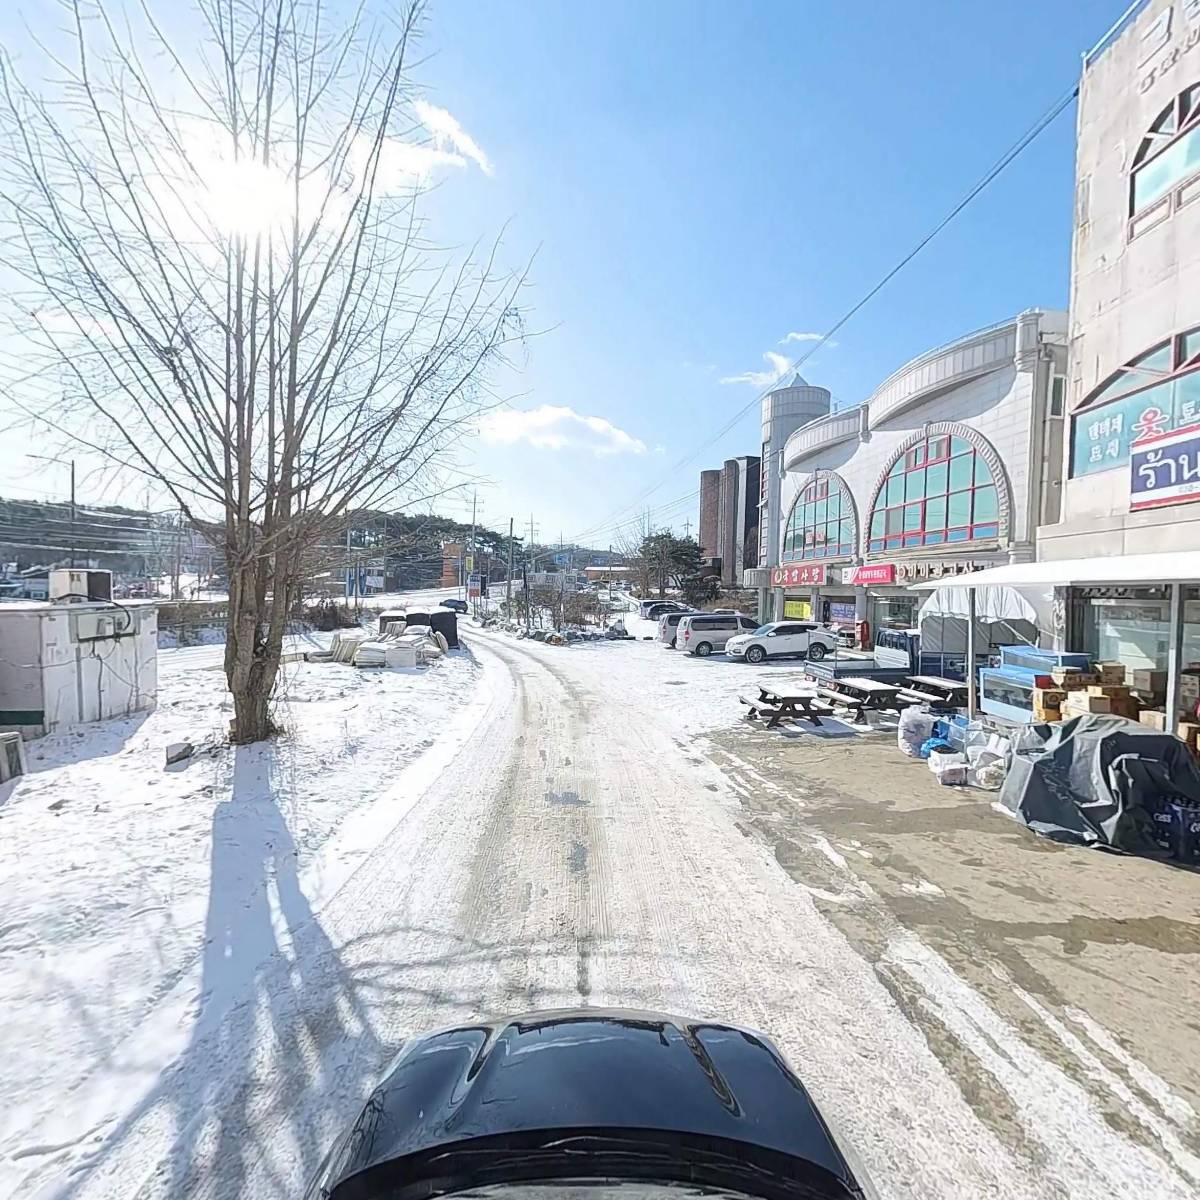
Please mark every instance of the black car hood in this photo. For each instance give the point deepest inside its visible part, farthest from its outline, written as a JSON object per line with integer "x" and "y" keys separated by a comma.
{"x": 587, "y": 1070}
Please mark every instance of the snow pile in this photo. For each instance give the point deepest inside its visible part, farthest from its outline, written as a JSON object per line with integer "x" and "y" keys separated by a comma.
{"x": 112, "y": 868}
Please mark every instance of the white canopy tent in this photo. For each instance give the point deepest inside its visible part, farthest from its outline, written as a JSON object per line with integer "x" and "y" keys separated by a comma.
{"x": 992, "y": 603}
{"x": 1181, "y": 566}
{"x": 1172, "y": 569}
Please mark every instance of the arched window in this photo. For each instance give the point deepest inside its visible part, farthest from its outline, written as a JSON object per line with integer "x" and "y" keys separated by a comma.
{"x": 821, "y": 523}
{"x": 940, "y": 490}
{"x": 1157, "y": 391}
{"x": 1168, "y": 154}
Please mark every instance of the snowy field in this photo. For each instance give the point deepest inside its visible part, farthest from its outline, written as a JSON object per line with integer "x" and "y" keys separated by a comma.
{"x": 124, "y": 882}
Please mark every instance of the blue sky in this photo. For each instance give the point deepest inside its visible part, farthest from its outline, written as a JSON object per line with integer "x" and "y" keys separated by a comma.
{"x": 700, "y": 179}
{"x": 696, "y": 180}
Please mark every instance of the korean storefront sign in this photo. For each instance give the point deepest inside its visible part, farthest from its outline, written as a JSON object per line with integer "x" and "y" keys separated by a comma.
{"x": 1102, "y": 438}
{"x": 911, "y": 571}
{"x": 798, "y": 574}
{"x": 874, "y": 573}
{"x": 1164, "y": 468}
{"x": 921, "y": 569}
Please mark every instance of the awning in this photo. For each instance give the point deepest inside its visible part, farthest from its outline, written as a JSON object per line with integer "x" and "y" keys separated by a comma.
{"x": 991, "y": 603}
{"x": 1181, "y": 566}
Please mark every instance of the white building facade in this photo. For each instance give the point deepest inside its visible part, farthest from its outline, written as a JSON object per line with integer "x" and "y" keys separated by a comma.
{"x": 1135, "y": 293}
{"x": 950, "y": 465}
{"x": 1132, "y": 459}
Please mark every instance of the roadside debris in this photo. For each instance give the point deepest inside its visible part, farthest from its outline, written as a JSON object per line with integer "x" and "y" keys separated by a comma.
{"x": 401, "y": 644}
{"x": 178, "y": 751}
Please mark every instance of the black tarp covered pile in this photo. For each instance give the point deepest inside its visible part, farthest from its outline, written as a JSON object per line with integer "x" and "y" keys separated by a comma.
{"x": 1107, "y": 781}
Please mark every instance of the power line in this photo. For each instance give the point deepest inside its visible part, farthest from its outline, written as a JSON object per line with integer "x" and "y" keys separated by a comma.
{"x": 1025, "y": 140}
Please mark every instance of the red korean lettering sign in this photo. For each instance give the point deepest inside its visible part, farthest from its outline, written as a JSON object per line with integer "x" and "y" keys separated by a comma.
{"x": 798, "y": 574}
{"x": 874, "y": 574}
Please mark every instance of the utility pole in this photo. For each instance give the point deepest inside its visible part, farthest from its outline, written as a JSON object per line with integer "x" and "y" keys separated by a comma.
{"x": 72, "y": 512}
{"x": 687, "y": 528}
{"x": 508, "y": 575}
{"x": 474, "y": 565}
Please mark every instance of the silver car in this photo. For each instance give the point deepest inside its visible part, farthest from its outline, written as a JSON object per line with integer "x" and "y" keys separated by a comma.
{"x": 703, "y": 634}
{"x": 668, "y": 624}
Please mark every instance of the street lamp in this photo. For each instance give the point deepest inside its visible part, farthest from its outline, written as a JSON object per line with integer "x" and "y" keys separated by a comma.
{"x": 70, "y": 462}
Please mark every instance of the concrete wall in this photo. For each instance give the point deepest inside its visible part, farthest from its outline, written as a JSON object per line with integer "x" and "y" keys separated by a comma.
{"x": 738, "y": 517}
{"x": 710, "y": 506}
{"x": 1127, "y": 292}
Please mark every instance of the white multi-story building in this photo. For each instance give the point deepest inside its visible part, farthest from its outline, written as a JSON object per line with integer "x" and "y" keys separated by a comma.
{"x": 951, "y": 464}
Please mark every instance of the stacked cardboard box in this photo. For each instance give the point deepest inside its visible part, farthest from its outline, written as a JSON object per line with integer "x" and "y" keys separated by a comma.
{"x": 1081, "y": 701}
{"x": 1047, "y": 704}
{"x": 1153, "y": 718}
{"x": 1071, "y": 678}
{"x": 1111, "y": 673}
{"x": 1120, "y": 702}
{"x": 1149, "y": 686}
{"x": 1189, "y": 691}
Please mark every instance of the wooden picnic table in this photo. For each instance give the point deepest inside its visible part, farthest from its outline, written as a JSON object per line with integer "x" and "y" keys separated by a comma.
{"x": 780, "y": 706}
{"x": 861, "y": 694}
{"x": 938, "y": 689}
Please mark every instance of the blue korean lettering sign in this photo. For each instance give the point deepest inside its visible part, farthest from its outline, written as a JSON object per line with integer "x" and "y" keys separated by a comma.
{"x": 1164, "y": 468}
{"x": 1102, "y": 437}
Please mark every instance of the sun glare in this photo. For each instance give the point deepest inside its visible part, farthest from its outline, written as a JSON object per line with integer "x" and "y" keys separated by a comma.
{"x": 244, "y": 197}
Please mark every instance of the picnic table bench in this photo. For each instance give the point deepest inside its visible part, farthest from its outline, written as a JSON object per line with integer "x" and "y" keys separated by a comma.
{"x": 781, "y": 706}
{"x": 858, "y": 694}
{"x": 936, "y": 689}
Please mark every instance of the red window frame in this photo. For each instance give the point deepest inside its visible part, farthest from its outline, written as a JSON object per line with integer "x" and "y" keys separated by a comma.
{"x": 895, "y": 533}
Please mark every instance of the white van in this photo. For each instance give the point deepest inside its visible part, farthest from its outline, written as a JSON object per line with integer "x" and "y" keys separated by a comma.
{"x": 705, "y": 633}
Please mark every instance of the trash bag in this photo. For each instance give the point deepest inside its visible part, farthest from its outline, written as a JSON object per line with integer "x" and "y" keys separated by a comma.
{"x": 915, "y": 728}
{"x": 935, "y": 745}
{"x": 949, "y": 767}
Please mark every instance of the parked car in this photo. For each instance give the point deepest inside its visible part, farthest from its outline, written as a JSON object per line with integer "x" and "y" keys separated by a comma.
{"x": 783, "y": 639}
{"x": 704, "y": 633}
{"x": 668, "y": 625}
{"x": 653, "y": 609}
{"x": 458, "y": 606}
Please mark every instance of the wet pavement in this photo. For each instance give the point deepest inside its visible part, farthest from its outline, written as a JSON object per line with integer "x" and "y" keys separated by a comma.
{"x": 1093, "y": 957}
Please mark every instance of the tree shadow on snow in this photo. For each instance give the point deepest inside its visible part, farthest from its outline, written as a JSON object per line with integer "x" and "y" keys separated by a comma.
{"x": 280, "y": 1030}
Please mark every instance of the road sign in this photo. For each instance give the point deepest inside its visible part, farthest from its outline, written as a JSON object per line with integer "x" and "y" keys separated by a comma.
{"x": 473, "y": 586}
{"x": 561, "y": 560}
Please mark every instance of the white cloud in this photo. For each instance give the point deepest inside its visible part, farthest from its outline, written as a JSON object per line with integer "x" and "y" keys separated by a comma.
{"x": 557, "y": 427}
{"x": 804, "y": 337}
{"x": 777, "y": 365}
{"x": 402, "y": 164}
{"x": 446, "y": 131}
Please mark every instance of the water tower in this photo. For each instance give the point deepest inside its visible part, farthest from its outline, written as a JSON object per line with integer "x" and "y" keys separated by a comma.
{"x": 784, "y": 409}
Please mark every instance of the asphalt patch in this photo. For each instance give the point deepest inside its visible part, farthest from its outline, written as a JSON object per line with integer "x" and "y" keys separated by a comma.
{"x": 566, "y": 799}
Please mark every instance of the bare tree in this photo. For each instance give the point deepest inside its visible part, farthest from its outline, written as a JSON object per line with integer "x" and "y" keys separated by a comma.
{"x": 227, "y": 275}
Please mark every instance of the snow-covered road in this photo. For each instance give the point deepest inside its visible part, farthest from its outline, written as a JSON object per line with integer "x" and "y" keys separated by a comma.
{"x": 578, "y": 847}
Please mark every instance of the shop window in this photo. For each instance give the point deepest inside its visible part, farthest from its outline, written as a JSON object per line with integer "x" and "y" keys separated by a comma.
{"x": 940, "y": 491}
{"x": 1155, "y": 392}
{"x": 821, "y": 523}
{"x": 1168, "y": 156}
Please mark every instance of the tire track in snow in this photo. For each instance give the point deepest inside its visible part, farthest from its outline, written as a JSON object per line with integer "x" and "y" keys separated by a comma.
{"x": 473, "y": 902}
